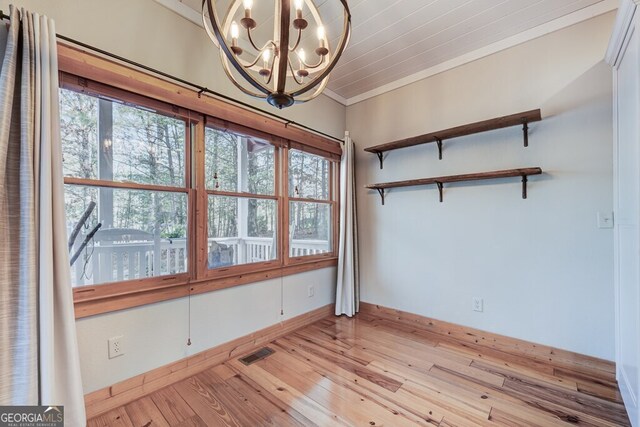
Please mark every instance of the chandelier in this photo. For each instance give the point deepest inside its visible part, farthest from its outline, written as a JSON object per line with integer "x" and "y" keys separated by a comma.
{"x": 279, "y": 69}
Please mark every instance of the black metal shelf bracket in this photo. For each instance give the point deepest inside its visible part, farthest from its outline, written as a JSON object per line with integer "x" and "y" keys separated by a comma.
{"x": 381, "y": 192}
{"x": 525, "y": 132}
{"x": 440, "y": 186}
{"x": 439, "y": 142}
{"x": 380, "y": 155}
{"x": 525, "y": 179}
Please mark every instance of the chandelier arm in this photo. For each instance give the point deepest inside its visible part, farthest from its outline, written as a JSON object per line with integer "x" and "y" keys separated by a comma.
{"x": 291, "y": 49}
{"x": 252, "y": 42}
{"x": 283, "y": 54}
{"x": 273, "y": 63}
{"x": 319, "y": 89}
{"x": 258, "y": 56}
{"x": 249, "y": 65}
{"x": 334, "y": 61}
{"x": 227, "y": 70}
{"x": 225, "y": 48}
{"x": 313, "y": 67}
{"x": 293, "y": 73}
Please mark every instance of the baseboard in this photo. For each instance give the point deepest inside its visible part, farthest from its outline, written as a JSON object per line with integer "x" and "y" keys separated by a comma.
{"x": 108, "y": 398}
{"x": 628, "y": 397}
{"x": 563, "y": 361}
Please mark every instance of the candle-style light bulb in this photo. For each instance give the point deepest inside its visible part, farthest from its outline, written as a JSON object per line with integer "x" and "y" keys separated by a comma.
{"x": 266, "y": 56}
{"x": 248, "y": 22}
{"x": 321, "y": 50}
{"x": 298, "y": 6}
{"x": 302, "y": 72}
{"x": 265, "y": 71}
{"x": 248, "y": 4}
{"x": 235, "y": 31}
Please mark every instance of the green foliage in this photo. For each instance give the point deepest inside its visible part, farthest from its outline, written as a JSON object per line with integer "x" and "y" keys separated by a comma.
{"x": 145, "y": 147}
{"x": 139, "y": 146}
{"x": 309, "y": 179}
{"x": 174, "y": 232}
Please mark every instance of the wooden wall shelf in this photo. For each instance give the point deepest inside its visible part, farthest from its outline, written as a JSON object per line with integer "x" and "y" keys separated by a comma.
{"x": 523, "y": 119}
{"x": 441, "y": 180}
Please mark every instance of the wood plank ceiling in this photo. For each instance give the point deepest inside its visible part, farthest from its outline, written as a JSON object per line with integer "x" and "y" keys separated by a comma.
{"x": 394, "y": 39}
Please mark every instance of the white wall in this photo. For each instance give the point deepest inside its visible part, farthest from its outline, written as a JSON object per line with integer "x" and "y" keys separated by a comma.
{"x": 542, "y": 266}
{"x": 155, "y": 335}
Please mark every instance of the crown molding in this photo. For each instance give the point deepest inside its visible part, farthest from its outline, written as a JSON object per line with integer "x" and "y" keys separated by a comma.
{"x": 533, "y": 33}
{"x": 183, "y": 10}
{"x": 549, "y": 27}
{"x": 340, "y": 99}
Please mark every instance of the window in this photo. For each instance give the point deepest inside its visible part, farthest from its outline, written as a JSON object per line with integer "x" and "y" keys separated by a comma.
{"x": 166, "y": 201}
{"x": 242, "y": 208}
{"x": 126, "y": 193}
{"x": 310, "y": 204}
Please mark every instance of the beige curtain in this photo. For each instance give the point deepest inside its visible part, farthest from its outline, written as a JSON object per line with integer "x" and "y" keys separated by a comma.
{"x": 348, "y": 286}
{"x": 39, "y": 361}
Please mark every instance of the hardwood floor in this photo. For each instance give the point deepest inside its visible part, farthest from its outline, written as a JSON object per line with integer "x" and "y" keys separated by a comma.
{"x": 372, "y": 371}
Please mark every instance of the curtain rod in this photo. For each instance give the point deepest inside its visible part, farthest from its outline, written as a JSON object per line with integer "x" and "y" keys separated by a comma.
{"x": 201, "y": 89}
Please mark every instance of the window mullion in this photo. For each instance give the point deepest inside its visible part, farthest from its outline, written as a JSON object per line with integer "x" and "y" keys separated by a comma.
{"x": 284, "y": 188}
{"x": 201, "y": 227}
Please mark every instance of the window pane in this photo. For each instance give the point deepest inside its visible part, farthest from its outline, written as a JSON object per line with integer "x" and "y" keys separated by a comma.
{"x": 308, "y": 176}
{"x": 79, "y": 133}
{"x": 241, "y": 231}
{"x": 238, "y": 163}
{"x": 310, "y": 228}
{"x": 107, "y": 140}
{"x": 143, "y": 234}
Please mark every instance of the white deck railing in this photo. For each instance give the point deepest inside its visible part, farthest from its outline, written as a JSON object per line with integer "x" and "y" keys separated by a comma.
{"x": 118, "y": 261}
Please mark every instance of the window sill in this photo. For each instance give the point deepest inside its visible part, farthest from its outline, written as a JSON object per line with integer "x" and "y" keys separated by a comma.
{"x": 104, "y": 302}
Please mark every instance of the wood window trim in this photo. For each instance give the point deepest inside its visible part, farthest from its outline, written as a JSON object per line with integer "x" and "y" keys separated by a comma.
{"x": 87, "y": 306}
{"x": 91, "y": 66}
{"x": 95, "y": 75}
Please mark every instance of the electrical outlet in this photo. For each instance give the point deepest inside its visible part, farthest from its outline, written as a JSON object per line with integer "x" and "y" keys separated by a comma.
{"x": 478, "y": 304}
{"x": 311, "y": 291}
{"x": 115, "y": 347}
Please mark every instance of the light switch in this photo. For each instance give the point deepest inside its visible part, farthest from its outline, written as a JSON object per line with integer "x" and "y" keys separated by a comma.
{"x": 605, "y": 219}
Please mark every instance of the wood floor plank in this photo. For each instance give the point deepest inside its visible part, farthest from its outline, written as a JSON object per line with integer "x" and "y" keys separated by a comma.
{"x": 144, "y": 413}
{"x": 290, "y": 396}
{"x": 585, "y": 378}
{"x": 509, "y": 368}
{"x": 611, "y": 394}
{"x": 206, "y": 404}
{"x": 576, "y": 401}
{"x": 516, "y": 405}
{"x": 281, "y": 414}
{"x": 357, "y": 408}
{"x": 345, "y": 363}
{"x": 325, "y": 335}
{"x": 426, "y": 412}
{"x": 380, "y": 371}
{"x": 194, "y": 421}
{"x": 116, "y": 418}
{"x": 174, "y": 408}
